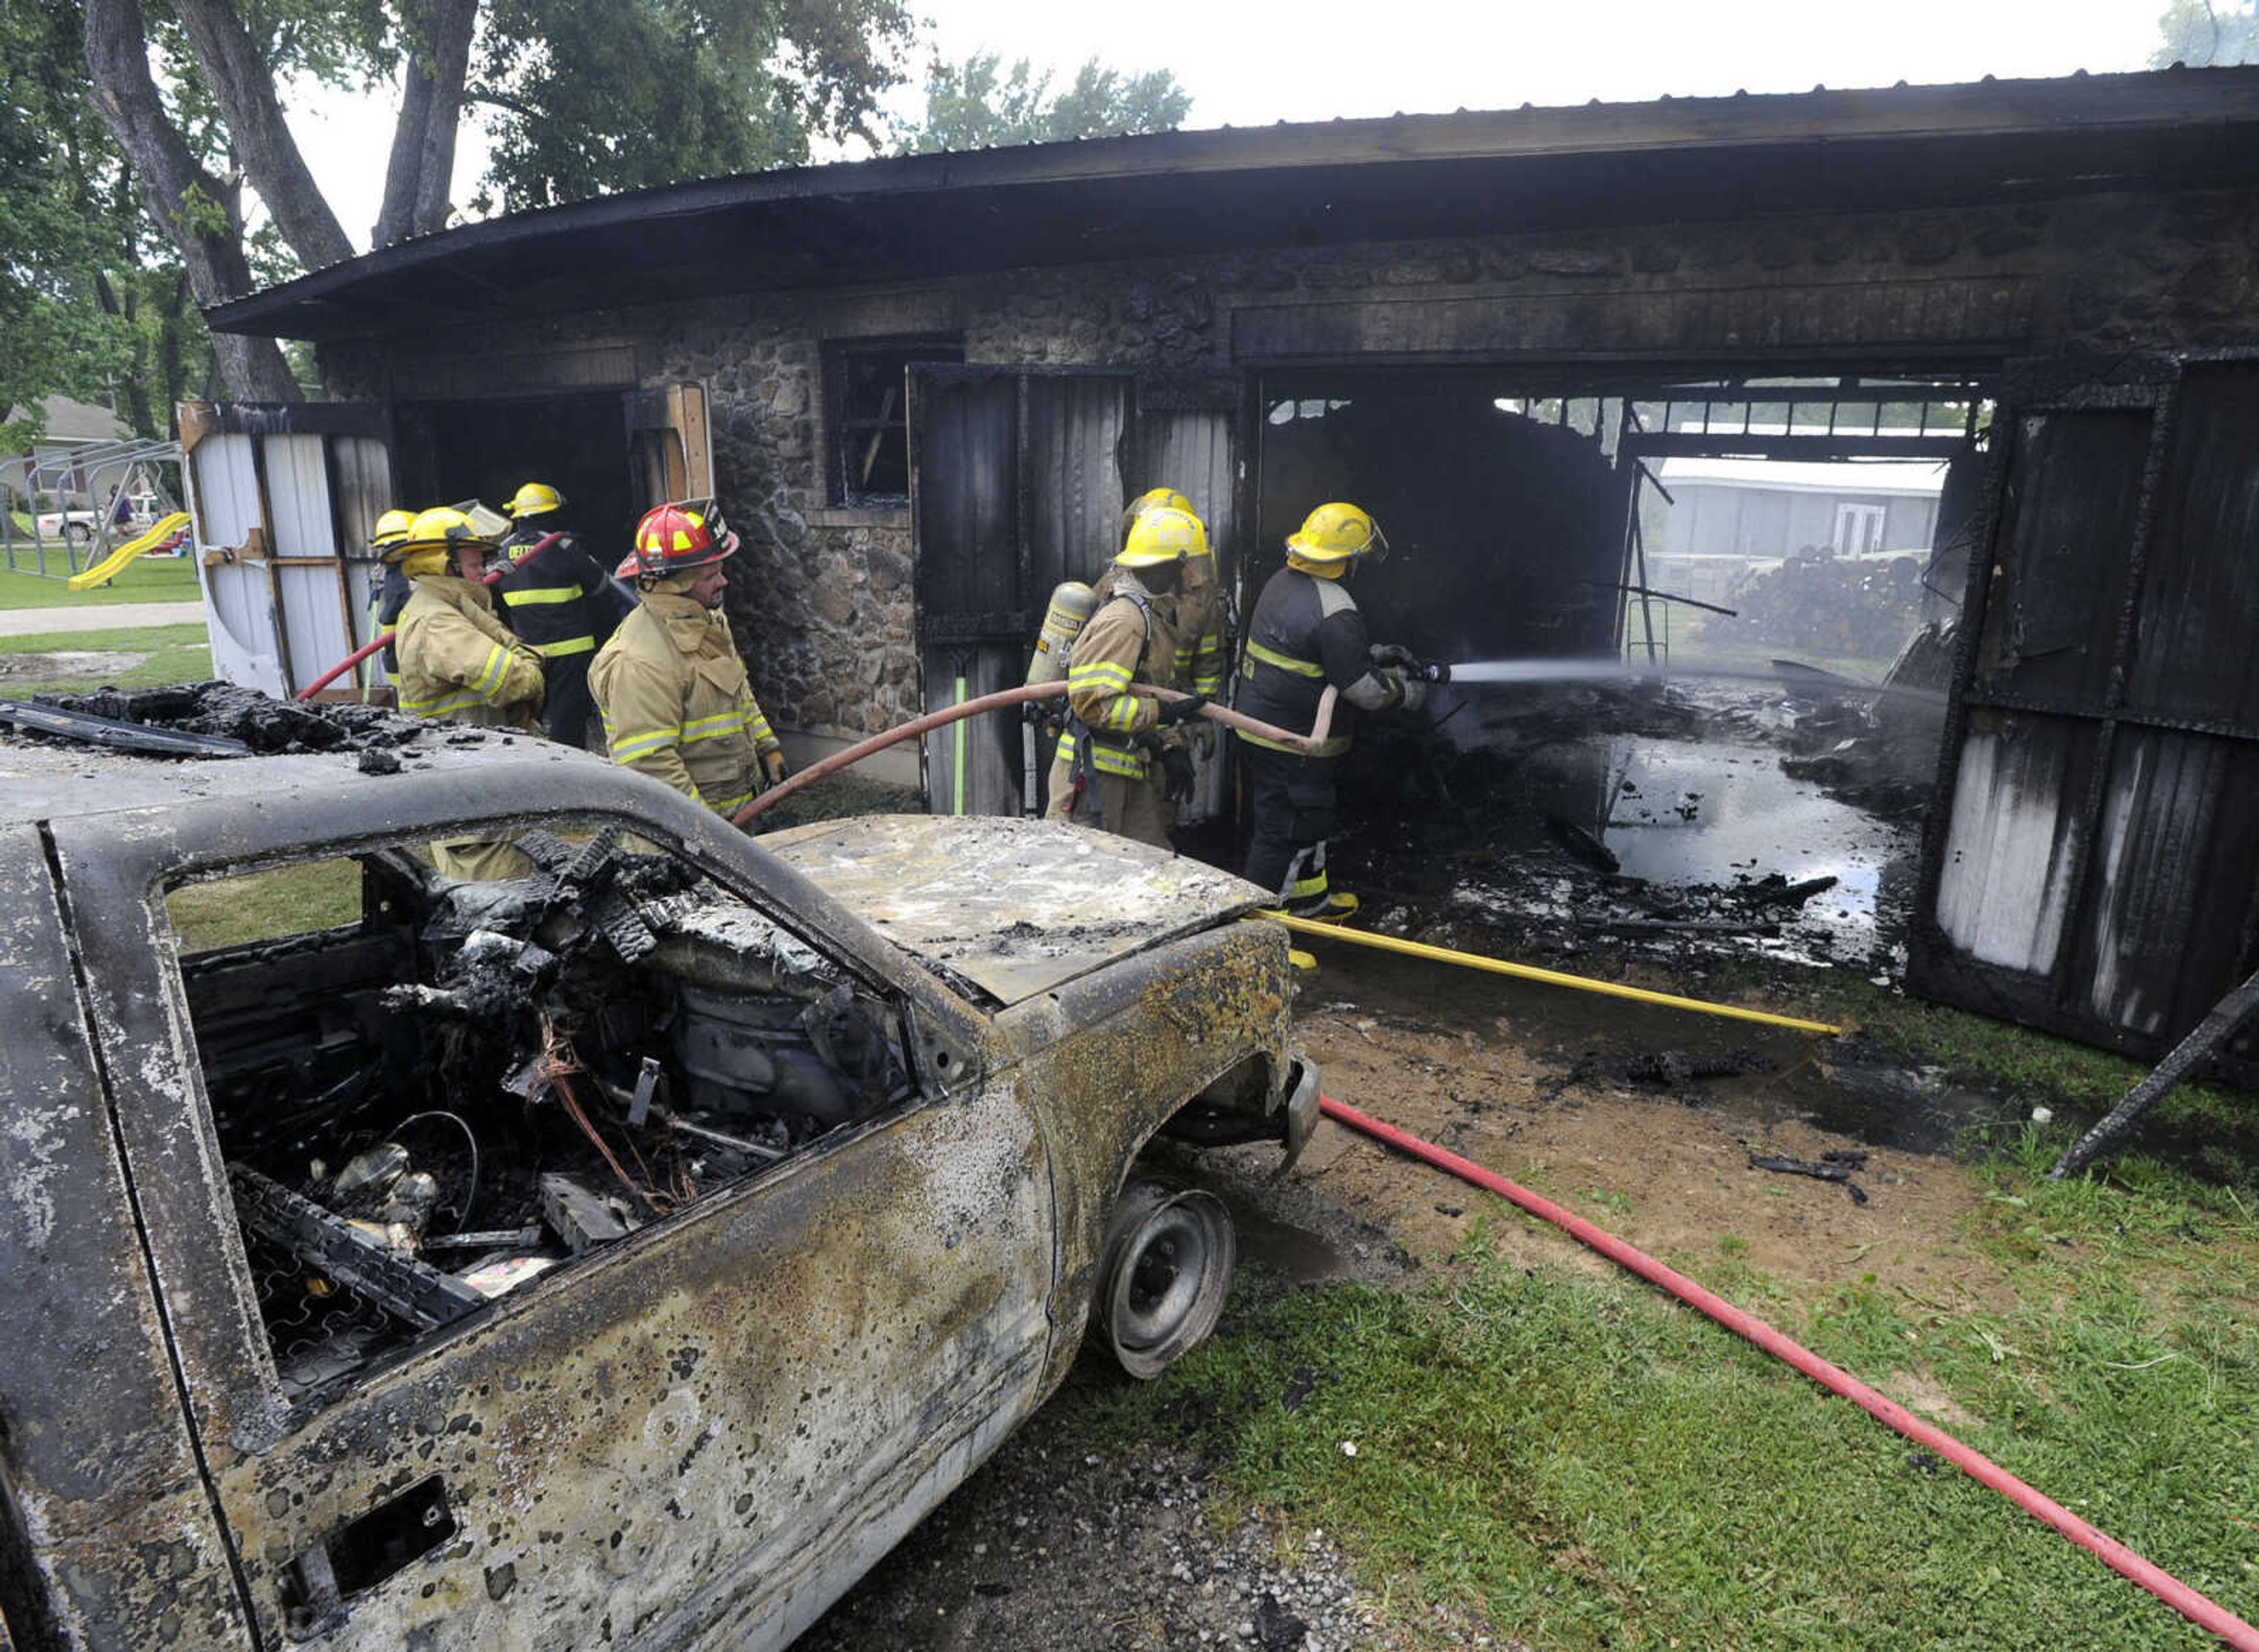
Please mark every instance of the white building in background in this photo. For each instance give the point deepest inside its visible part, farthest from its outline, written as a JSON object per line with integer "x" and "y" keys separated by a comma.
{"x": 1733, "y": 516}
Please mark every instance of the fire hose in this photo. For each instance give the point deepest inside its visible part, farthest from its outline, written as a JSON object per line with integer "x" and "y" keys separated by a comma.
{"x": 2196, "y": 1607}
{"x": 381, "y": 639}
{"x": 1005, "y": 697}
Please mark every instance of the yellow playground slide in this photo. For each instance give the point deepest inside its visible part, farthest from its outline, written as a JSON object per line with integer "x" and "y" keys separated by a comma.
{"x": 101, "y": 572}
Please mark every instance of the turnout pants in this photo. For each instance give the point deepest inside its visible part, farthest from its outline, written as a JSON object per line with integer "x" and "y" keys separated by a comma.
{"x": 568, "y": 716}
{"x": 1119, "y": 805}
{"x": 1292, "y": 802}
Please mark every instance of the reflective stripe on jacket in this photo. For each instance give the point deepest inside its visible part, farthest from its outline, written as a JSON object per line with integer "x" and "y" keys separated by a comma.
{"x": 1201, "y": 624}
{"x": 559, "y": 599}
{"x": 677, "y": 704}
{"x": 1121, "y": 644}
{"x": 458, "y": 660}
{"x": 1305, "y": 633}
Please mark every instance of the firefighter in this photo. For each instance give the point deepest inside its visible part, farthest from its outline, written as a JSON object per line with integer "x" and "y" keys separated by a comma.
{"x": 458, "y": 661}
{"x": 1196, "y": 615}
{"x": 672, "y": 693}
{"x": 1305, "y": 633}
{"x": 391, "y": 595}
{"x": 1130, "y": 757}
{"x": 562, "y": 602}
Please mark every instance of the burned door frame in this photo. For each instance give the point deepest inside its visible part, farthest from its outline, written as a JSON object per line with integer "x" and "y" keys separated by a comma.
{"x": 579, "y": 1406}
{"x": 247, "y": 569}
{"x": 2089, "y": 706}
{"x": 996, "y": 766}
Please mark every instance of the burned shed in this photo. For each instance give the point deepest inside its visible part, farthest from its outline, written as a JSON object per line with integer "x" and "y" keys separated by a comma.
{"x": 925, "y": 386}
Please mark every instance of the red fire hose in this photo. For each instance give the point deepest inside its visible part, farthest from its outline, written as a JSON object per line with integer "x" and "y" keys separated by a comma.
{"x": 1021, "y": 696}
{"x": 379, "y": 641}
{"x": 2195, "y": 1608}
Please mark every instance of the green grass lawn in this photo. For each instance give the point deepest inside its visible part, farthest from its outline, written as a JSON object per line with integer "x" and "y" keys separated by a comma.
{"x": 143, "y": 580}
{"x": 1589, "y": 1464}
{"x": 170, "y": 653}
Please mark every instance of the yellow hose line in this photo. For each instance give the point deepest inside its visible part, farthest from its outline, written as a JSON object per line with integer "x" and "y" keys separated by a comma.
{"x": 1531, "y": 973}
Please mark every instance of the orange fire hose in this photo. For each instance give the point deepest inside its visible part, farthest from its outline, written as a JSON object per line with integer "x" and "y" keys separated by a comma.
{"x": 2196, "y": 1607}
{"x": 1026, "y": 692}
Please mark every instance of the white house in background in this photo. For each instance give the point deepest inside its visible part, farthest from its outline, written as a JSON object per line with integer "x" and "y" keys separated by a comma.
{"x": 1762, "y": 509}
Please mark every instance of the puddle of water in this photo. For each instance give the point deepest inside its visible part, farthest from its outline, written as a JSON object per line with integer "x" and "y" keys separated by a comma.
{"x": 1295, "y": 1254}
{"x": 1713, "y": 812}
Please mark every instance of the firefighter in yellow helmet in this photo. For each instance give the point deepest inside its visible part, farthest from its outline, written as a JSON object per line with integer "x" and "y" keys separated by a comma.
{"x": 392, "y": 592}
{"x": 673, "y": 692}
{"x": 562, "y": 602}
{"x": 458, "y": 661}
{"x": 1201, "y": 621}
{"x": 1305, "y": 633}
{"x": 1130, "y": 758}
{"x": 1195, "y": 614}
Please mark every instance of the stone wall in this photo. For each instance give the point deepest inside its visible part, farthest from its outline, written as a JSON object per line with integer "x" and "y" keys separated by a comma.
{"x": 822, "y": 598}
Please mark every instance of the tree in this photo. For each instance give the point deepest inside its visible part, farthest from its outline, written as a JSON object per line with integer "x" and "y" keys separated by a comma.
{"x": 2203, "y": 33}
{"x": 90, "y": 306}
{"x": 969, "y": 105}
{"x": 582, "y": 98}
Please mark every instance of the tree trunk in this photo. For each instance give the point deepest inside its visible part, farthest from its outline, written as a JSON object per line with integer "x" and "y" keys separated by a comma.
{"x": 180, "y": 196}
{"x": 423, "y": 161}
{"x": 135, "y": 391}
{"x": 172, "y": 368}
{"x": 244, "y": 88}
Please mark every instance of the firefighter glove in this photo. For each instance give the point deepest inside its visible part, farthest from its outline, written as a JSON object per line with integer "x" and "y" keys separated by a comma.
{"x": 1176, "y": 773}
{"x": 1393, "y": 654}
{"x": 1416, "y": 695}
{"x": 773, "y": 762}
{"x": 1173, "y": 712}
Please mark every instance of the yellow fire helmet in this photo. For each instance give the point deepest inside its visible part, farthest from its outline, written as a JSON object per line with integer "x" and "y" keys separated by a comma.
{"x": 1151, "y": 499}
{"x": 1333, "y": 534}
{"x": 1160, "y": 535}
{"x": 535, "y": 499}
{"x": 436, "y": 535}
{"x": 391, "y": 528}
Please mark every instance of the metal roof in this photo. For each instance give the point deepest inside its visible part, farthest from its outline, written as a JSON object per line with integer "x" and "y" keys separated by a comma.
{"x": 1409, "y": 177}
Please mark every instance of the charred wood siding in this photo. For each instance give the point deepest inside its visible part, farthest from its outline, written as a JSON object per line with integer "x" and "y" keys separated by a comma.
{"x": 2096, "y": 870}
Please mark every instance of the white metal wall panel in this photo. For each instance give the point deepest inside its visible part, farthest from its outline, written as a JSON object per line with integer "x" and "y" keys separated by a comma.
{"x": 363, "y": 468}
{"x": 298, "y": 494}
{"x": 239, "y": 618}
{"x": 314, "y": 622}
{"x": 224, "y": 491}
{"x": 2004, "y": 892}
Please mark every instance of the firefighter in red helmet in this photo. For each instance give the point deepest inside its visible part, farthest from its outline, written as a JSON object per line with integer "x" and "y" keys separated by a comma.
{"x": 673, "y": 692}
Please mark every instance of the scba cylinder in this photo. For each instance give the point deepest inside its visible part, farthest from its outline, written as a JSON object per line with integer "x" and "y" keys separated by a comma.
{"x": 1071, "y": 605}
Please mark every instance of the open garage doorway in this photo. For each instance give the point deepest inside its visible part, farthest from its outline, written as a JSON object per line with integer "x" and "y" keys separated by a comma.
{"x": 1701, "y": 630}
{"x": 579, "y": 443}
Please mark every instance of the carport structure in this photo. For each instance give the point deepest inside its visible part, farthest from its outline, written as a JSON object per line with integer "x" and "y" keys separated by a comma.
{"x": 925, "y": 385}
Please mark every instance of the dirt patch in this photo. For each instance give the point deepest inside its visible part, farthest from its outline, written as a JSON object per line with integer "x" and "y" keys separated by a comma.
{"x": 66, "y": 662}
{"x": 1655, "y": 1151}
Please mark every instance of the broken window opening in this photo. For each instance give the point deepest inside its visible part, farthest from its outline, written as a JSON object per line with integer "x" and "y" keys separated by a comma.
{"x": 429, "y": 1093}
{"x": 867, "y": 397}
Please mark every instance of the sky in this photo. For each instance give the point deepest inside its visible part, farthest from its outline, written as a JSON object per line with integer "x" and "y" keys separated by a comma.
{"x": 1253, "y": 62}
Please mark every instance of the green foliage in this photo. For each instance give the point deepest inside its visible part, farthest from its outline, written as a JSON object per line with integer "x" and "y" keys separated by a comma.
{"x": 2198, "y": 33}
{"x": 1585, "y": 1463}
{"x": 972, "y": 105}
{"x": 582, "y": 100}
{"x": 91, "y": 304}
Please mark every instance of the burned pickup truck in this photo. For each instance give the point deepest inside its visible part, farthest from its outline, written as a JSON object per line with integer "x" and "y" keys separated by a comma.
{"x": 626, "y": 1252}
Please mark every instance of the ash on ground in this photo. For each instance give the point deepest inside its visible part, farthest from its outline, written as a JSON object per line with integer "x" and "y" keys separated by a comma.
{"x": 1674, "y": 819}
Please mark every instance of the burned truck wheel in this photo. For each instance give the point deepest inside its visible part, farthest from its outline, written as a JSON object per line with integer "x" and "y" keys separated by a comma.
{"x": 1169, "y": 1256}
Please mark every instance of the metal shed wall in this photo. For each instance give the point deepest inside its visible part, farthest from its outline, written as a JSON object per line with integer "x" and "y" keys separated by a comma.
{"x": 2094, "y": 866}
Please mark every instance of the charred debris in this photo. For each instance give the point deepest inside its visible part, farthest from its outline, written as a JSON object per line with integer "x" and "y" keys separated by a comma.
{"x": 1496, "y": 825}
{"x": 482, "y": 1081}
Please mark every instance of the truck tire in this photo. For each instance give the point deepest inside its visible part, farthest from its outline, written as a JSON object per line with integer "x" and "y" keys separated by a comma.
{"x": 1167, "y": 1272}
